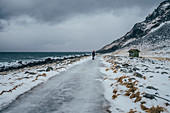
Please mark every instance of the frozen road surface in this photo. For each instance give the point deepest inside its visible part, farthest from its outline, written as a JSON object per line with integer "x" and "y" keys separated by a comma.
{"x": 78, "y": 90}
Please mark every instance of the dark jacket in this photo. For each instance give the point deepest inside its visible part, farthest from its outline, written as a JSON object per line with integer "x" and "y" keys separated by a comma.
{"x": 93, "y": 53}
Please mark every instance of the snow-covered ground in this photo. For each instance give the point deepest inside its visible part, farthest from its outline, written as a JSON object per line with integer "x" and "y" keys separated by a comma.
{"x": 136, "y": 84}
{"x": 15, "y": 83}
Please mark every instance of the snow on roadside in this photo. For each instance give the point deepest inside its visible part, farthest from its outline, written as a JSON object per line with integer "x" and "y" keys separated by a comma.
{"x": 15, "y": 83}
{"x": 136, "y": 84}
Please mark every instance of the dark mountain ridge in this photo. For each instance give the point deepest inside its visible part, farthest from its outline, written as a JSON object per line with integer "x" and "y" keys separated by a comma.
{"x": 141, "y": 30}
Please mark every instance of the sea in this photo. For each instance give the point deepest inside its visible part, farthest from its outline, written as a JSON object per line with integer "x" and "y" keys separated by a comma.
{"x": 13, "y": 58}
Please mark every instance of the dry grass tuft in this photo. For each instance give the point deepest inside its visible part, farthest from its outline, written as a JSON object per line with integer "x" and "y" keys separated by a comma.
{"x": 121, "y": 79}
{"x": 144, "y": 78}
{"x": 115, "y": 71}
{"x": 138, "y": 99}
{"x": 143, "y": 107}
{"x": 111, "y": 84}
{"x": 132, "y": 111}
{"x": 157, "y": 109}
{"x": 127, "y": 93}
{"x": 114, "y": 96}
{"x": 132, "y": 96}
{"x": 115, "y": 91}
{"x": 129, "y": 85}
{"x": 4, "y": 91}
{"x": 130, "y": 80}
{"x": 104, "y": 78}
{"x": 137, "y": 96}
{"x": 107, "y": 70}
{"x": 153, "y": 109}
{"x": 44, "y": 75}
{"x": 133, "y": 89}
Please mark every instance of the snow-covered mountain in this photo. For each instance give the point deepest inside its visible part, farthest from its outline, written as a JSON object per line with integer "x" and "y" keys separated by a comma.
{"x": 151, "y": 34}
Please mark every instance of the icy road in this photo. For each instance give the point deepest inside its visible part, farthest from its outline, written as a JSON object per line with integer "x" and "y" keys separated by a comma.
{"x": 77, "y": 90}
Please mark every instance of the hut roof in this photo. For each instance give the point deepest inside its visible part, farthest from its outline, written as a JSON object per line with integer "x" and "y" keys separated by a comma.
{"x": 132, "y": 50}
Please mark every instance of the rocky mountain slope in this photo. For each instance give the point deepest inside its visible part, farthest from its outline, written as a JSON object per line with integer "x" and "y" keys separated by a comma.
{"x": 152, "y": 33}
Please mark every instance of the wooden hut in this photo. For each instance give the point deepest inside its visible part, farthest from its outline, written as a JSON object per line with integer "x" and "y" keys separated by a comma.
{"x": 134, "y": 53}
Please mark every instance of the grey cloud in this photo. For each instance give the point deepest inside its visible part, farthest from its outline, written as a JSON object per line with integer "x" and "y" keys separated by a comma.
{"x": 59, "y": 10}
{"x": 40, "y": 25}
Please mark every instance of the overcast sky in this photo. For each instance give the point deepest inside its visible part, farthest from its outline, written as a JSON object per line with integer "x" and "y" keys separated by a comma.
{"x": 67, "y": 25}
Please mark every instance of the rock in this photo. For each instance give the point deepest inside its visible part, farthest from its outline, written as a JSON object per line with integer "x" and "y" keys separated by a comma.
{"x": 164, "y": 73}
{"x": 48, "y": 60}
{"x": 123, "y": 70}
{"x": 156, "y": 93}
{"x": 143, "y": 102}
{"x": 151, "y": 87}
{"x": 131, "y": 79}
{"x": 125, "y": 65}
{"x": 169, "y": 77}
{"x": 150, "y": 96}
{"x": 146, "y": 69}
{"x": 31, "y": 73}
{"x": 117, "y": 67}
{"x": 26, "y": 72}
{"x": 157, "y": 67}
{"x": 135, "y": 69}
{"x": 130, "y": 71}
{"x": 138, "y": 75}
{"x": 150, "y": 71}
{"x": 140, "y": 85}
{"x": 49, "y": 69}
{"x": 166, "y": 68}
{"x": 40, "y": 70}
{"x": 20, "y": 62}
{"x": 151, "y": 76}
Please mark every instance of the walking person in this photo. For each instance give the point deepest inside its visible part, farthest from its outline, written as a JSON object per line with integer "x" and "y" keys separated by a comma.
{"x": 93, "y": 55}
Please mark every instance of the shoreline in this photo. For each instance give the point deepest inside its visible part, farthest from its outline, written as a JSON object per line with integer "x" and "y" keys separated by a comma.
{"x": 48, "y": 60}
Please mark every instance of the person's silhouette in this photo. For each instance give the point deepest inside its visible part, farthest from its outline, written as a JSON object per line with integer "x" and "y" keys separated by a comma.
{"x": 93, "y": 55}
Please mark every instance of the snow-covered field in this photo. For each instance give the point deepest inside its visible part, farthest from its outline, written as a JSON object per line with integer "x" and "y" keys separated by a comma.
{"x": 136, "y": 84}
{"x": 15, "y": 83}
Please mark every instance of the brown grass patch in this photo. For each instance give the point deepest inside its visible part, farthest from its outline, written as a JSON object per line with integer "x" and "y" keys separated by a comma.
{"x": 107, "y": 70}
{"x": 114, "y": 96}
{"x": 115, "y": 91}
{"x": 121, "y": 79}
{"x": 60, "y": 67}
{"x": 132, "y": 111}
{"x": 157, "y": 109}
{"x": 144, "y": 78}
{"x": 127, "y": 93}
{"x": 111, "y": 85}
{"x": 44, "y": 75}
{"x": 130, "y": 80}
{"x": 133, "y": 89}
{"x": 104, "y": 78}
{"x": 15, "y": 87}
{"x": 115, "y": 71}
{"x": 143, "y": 107}
{"x": 129, "y": 85}
{"x": 153, "y": 109}
{"x": 138, "y": 99}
